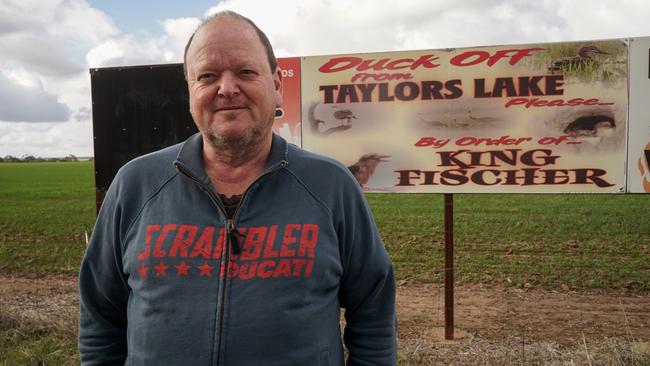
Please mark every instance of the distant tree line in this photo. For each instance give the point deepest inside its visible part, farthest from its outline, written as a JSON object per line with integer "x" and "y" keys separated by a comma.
{"x": 36, "y": 159}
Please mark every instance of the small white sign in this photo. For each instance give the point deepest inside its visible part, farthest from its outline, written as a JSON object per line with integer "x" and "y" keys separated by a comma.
{"x": 638, "y": 159}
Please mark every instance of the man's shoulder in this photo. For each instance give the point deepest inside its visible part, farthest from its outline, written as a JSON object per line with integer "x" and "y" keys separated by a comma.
{"x": 139, "y": 180}
{"x": 319, "y": 172}
{"x": 307, "y": 161}
{"x": 149, "y": 168}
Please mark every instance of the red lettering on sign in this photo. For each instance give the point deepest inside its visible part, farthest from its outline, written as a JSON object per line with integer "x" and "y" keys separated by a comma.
{"x": 351, "y": 62}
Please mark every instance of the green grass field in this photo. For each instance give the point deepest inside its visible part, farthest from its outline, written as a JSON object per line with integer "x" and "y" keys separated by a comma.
{"x": 45, "y": 210}
{"x": 550, "y": 240}
{"x": 577, "y": 240}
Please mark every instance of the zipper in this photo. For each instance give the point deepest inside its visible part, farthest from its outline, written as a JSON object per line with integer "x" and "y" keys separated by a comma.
{"x": 233, "y": 233}
{"x": 232, "y": 242}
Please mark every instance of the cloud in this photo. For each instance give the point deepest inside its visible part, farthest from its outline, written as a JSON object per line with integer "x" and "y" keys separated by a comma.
{"x": 44, "y": 37}
{"x": 38, "y": 54}
{"x": 126, "y": 50}
{"x": 306, "y": 27}
{"x": 59, "y": 20}
{"x": 83, "y": 115}
{"x": 43, "y": 76}
{"x": 606, "y": 19}
{"x": 131, "y": 50}
{"x": 178, "y": 30}
{"x": 46, "y": 139}
{"x": 29, "y": 104}
{"x": 309, "y": 27}
{"x": 178, "y": 33}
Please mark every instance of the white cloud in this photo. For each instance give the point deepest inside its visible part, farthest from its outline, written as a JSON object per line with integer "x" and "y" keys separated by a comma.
{"x": 45, "y": 35}
{"x": 123, "y": 51}
{"x": 131, "y": 50}
{"x": 180, "y": 29}
{"x": 48, "y": 48}
{"x": 43, "y": 75}
{"x": 46, "y": 139}
{"x": 22, "y": 77}
{"x": 606, "y": 19}
{"x": 78, "y": 22}
{"x": 307, "y": 27}
{"x": 29, "y": 104}
{"x": 322, "y": 27}
{"x": 72, "y": 90}
{"x": 38, "y": 54}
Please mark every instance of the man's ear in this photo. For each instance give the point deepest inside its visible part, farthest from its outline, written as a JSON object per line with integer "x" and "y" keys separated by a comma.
{"x": 277, "y": 85}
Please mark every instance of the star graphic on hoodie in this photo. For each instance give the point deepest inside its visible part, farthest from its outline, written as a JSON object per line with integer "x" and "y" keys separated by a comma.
{"x": 181, "y": 269}
{"x": 206, "y": 269}
{"x": 143, "y": 271}
{"x": 161, "y": 269}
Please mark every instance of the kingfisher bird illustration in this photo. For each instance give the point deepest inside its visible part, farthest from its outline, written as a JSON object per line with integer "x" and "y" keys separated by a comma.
{"x": 366, "y": 165}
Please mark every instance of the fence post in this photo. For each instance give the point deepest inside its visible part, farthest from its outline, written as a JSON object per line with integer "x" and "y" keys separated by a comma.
{"x": 449, "y": 266}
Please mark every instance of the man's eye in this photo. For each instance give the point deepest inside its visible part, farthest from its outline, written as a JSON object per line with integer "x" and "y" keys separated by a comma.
{"x": 248, "y": 72}
{"x": 206, "y": 77}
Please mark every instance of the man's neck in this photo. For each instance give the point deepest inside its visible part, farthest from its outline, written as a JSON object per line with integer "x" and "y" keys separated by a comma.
{"x": 231, "y": 172}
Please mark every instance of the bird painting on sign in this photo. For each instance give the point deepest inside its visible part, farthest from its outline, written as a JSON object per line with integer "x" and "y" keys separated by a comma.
{"x": 433, "y": 121}
{"x": 599, "y": 125}
{"x": 586, "y": 55}
{"x": 480, "y": 118}
{"x": 364, "y": 168}
{"x": 341, "y": 115}
{"x": 483, "y": 120}
{"x": 344, "y": 115}
{"x": 590, "y": 130}
{"x": 604, "y": 61}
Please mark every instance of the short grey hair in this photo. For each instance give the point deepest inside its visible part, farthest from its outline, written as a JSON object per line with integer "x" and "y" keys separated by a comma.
{"x": 273, "y": 62}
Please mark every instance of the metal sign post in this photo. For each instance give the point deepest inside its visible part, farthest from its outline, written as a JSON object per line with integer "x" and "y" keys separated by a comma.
{"x": 449, "y": 266}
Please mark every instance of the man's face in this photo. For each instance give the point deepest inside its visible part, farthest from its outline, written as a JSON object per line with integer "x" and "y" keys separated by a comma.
{"x": 233, "y": 91}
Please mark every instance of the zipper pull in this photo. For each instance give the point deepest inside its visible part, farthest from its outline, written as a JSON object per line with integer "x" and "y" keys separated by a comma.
{"x": 234, "y": 235}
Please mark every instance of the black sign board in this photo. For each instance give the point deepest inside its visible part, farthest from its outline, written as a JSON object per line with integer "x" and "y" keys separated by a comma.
{"x": 136, "y": 110}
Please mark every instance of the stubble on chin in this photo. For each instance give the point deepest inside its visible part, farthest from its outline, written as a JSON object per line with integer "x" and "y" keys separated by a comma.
{"x": 237, "y": 149}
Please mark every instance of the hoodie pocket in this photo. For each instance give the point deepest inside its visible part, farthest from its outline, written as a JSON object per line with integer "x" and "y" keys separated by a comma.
{"x": 324, "y": 358}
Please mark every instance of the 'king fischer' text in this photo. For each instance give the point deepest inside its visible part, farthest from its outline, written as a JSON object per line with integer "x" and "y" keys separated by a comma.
{"x": 486, "y": 168}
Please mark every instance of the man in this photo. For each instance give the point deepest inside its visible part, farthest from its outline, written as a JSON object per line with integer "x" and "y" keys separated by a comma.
{"x": 234, "y": 247}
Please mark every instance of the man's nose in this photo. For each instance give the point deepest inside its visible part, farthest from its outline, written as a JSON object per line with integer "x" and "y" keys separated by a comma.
{"x": 228, "y": 85}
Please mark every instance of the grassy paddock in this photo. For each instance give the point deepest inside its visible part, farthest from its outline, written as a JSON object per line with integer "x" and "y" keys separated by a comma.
{"x": 32, "y": 344}
{"x": 550, "y": 240}
{"x": 45, "y": 211}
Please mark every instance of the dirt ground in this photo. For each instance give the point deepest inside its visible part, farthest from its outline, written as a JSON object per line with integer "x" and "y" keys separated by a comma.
{"x": 493, "y": 325}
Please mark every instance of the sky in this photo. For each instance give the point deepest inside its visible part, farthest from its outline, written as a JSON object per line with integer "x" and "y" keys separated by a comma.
{"x": 48, "y": 46}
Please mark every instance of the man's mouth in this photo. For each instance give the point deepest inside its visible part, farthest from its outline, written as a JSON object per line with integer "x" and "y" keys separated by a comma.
{"x": 229, "y": 108}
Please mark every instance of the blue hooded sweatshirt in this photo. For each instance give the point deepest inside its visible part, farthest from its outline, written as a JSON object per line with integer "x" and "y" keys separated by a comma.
{"x": 167, "y": 279}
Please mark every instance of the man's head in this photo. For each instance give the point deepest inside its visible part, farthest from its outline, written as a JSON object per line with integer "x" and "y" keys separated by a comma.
{"x": 233, "y": 81}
